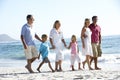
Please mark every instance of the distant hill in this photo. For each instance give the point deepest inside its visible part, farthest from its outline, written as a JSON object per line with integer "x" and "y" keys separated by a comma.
{"x": 5, "y": 37}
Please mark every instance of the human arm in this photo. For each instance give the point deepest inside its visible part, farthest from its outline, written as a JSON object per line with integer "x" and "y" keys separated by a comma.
{"x": 51, "y": 42}
{"x": 69, "y": 46}
{"x": 100, "y": 38}
{"x": 64, "y": 42}
{"x": 23, "y": 42}
{"x": 82, "y": 37}
{"x": 37, "y": 37}
{"x": 77, "y": 48}
{"x": 39, "y": 56}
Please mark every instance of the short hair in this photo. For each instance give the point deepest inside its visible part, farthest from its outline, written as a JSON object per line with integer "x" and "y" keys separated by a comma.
{"x": 44, "y": 36}
{"x": 28, "y": 16}
{"x": 94, "y": 17}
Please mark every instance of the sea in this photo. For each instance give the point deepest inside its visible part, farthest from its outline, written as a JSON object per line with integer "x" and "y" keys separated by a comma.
{"x": 12, "y": 53}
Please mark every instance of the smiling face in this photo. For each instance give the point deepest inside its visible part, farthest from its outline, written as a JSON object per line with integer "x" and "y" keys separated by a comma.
{"x": 44, "y": 38}
{"x": 30, "y": 19}
{"x": 73, "y": 39}
{"x": 57, "y": 25}
{"x": 87, "y": 22}
{"x": 94, "y": 19}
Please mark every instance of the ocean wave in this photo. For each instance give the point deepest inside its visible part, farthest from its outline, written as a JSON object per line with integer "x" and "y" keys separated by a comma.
{"x": 106, "y": 58}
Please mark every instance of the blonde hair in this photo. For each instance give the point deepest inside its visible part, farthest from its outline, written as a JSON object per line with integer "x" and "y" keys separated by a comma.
{"x": 73, "y": 36}
{"x": 57, "y": 21}
{"x": 86, "y": 20}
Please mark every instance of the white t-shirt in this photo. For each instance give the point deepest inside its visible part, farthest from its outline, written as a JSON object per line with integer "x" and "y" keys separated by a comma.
{"x": 56, "y": 36}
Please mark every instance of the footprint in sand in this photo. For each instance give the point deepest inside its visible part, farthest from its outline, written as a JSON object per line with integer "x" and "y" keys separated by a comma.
{"x": 79, "y": 77}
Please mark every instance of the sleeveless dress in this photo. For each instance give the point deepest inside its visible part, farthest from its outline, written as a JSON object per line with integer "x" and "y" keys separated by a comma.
{"x": 87, "y": 41}
{"x": 74, "y": 53}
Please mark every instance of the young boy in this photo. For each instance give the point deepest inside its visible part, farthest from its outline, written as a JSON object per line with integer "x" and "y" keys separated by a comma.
{"x": 44, "y": 50}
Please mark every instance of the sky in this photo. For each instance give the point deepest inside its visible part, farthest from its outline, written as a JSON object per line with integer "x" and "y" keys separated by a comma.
{"x": 71, "y": 14}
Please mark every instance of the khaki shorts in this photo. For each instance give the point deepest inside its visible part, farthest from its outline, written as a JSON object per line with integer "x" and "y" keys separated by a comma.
{"x": 31, "y": 52}
{"x": 97, "y": 51}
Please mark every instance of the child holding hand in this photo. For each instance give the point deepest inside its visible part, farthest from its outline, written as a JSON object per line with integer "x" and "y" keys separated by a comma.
{"x": 74, "y": 52}
{"x": 44, "y": 50}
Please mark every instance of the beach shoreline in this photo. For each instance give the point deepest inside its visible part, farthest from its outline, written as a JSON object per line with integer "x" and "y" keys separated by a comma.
{"x": 110, "y": 71}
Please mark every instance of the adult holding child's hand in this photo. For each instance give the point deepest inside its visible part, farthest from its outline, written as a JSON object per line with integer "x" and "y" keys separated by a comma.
{"x": 57, "y": 41}
{"x": 27, "y": 37}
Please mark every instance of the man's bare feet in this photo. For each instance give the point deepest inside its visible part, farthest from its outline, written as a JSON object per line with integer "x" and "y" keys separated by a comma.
{"x": 30, "y": 70}
{"x": 83, "y": 65}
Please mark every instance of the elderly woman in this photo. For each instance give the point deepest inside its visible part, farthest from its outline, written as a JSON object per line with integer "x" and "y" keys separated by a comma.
{"x": 57, "y": 41}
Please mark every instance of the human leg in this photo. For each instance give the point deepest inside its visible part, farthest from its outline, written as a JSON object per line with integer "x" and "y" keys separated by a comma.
{"x": 56, "y": 66}
{"x": 28, "y": 66}
{"x": 50, "y": 67}
{"x": 96, "y": 61}
{"x": 88, "y": 62}
{"x": 28, "y": 55}
{"x": 38, "y": 69}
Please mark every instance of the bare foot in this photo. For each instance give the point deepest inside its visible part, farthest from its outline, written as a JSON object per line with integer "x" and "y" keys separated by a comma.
{"x": 91, "y": 68}
{"x": 83, "y": 65}
{"x": 80, "y": 69}
{"x": 38, "y": 70}
{"x": 30, "y": 70}
{"x": 53, "y": 70}
{"x": 97, "y": 68}
{"x": 60, "y": 69}
{"x": 73, "y": 69}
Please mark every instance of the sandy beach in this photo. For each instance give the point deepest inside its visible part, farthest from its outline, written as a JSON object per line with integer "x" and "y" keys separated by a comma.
{"x": 109, "y": 72}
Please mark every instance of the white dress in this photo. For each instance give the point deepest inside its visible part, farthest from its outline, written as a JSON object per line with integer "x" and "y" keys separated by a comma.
{"x": 57, "y": 37}
{"x": 87, "y": 41}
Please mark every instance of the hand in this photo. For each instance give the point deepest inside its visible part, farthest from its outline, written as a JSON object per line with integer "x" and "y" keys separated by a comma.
{"x": 65, "y": 45}
{"x": 25, "y": 46}
{"x": 39, "y": 56}
{"x": 83, "y": 45}
{"x": 53, "y": 46}
{"x": 85, "y": 36}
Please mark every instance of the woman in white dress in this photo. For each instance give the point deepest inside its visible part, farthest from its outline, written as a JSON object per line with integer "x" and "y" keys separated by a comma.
{"x": 57, "y": 41}
{"x": 86, "y": 43}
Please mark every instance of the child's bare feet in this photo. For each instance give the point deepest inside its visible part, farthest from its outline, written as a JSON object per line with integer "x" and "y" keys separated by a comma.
{"x": 83, "y": 65}
{"x": 38, "y": 70}
{"x": 73, "y": 69}
{"x": 53, "y": 70}
{"x": 30, "y": 70}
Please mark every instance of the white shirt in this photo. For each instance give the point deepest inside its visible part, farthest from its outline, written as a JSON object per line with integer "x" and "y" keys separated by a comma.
{"x": 56, "y": 36}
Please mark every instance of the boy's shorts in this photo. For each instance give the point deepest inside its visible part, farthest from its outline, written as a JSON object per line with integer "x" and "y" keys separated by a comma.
{"x": 31, "y": 52}
{"x": 46, "y": 60}
{"x": 97, "y": 51}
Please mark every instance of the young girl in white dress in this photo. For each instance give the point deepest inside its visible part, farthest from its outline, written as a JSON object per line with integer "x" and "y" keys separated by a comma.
{"x": 86, "y": 43}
